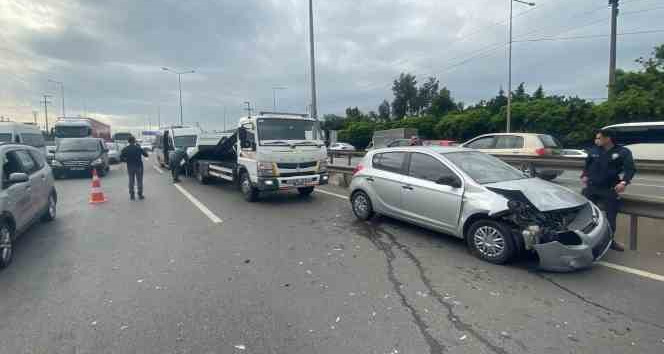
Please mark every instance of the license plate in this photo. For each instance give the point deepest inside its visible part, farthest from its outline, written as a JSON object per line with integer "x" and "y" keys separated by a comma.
{"x": 299, "y": 182}
{"x": 78, "y": 168}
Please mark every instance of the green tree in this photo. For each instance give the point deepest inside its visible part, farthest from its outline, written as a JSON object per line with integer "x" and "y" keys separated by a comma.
{"x": 539, "y": 93}
{"x": 520, "y": 93}
{"x": 442, "y": 103}
{"x": 384, "y": 111}
{"x": 405, "y": 95}
{"x": 333, "y": 122}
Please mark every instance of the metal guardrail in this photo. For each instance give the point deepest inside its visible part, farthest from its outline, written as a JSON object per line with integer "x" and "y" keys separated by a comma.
{"x": 633, "y": 207}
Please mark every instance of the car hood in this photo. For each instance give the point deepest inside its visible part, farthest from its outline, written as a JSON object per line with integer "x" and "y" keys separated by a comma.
{"x": 545, "y": 196}
{"x": 77, "y": 155}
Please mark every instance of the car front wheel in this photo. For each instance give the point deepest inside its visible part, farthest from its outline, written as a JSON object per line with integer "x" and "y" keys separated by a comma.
{"x": 361, "y": 205}
{"x": 491, "y": 241}
{"x": 306, "y": 191}
{"x": 6, "y": 244}
{"x": 51, "y": 210}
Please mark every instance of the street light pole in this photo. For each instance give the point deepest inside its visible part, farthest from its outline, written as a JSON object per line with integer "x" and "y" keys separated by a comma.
{"x": 274, "y": 96}
{"x": 612, "y": 54}
{"x": 179, "y": 74}
{"x": 509, "y": 80}
{"x": 314, "y": 104}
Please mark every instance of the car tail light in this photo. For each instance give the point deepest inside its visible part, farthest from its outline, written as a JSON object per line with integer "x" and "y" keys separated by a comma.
{"x": 541, "y": 151}
{"x": 358, "y": 168}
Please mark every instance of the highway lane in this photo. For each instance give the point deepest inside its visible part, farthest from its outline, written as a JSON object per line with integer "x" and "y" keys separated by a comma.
{"x": 293, "y": 275}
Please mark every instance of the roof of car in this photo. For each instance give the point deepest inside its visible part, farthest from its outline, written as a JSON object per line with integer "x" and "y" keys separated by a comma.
{"x": 517, "y": 134}
{"x": 434, "y": 149}
{"x": 636, "y": 124}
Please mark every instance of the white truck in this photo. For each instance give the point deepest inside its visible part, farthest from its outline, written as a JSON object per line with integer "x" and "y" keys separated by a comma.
{"x": 268, "y": 152}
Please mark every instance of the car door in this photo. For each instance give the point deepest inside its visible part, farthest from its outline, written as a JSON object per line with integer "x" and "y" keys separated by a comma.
{"x": 386, "y": 181}
{"x": 38, "y": 196}
{"x": 19, "y": 195}
{"x": 44, "y": 180}
{"x": 425, "y": 199}
{"x": 483, "y": 143}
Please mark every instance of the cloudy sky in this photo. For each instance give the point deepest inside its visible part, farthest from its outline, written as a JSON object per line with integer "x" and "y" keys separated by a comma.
{"x": 109, "y": 54}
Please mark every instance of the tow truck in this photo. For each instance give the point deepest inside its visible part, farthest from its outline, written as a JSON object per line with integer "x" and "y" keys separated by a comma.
{"x": 268, "y": 152}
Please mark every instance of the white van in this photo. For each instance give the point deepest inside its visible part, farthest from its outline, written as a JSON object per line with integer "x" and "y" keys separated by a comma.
{"x": 644, "y": 139}
{"x": 22, "y": 133}
{"x": 174, "y": 137}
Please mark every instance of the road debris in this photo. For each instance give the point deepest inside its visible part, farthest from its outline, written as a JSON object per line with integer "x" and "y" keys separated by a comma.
{"x": 122, "y": 328}
{"x": 240, "y": 347}
{"x": 422, "y": 294}
{"x": 308, "y": 271}
{"x": 351, "y": 294}
{"x": 463, "y": 337}
{"x": 93, "y": 323}
{"x": 338, "y": 319}
{"x": 139, "y": 280}
{"x": 301, "y": 263}
{"x": 505, "y": 334}
{"x": 247, "y": 261}
{"x": 494, "y": 293}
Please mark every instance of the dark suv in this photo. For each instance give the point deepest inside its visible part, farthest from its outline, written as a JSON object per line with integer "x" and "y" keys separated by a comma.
{"x": 80, "y": 155}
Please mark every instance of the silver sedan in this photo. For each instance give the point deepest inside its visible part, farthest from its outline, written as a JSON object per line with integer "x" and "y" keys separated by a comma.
{"x": 498, "y": 210}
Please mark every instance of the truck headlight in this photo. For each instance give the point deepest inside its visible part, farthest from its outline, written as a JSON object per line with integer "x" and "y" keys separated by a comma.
{"x": 98, "y": 161}
{"x": 266, "y": 169}
{"x": 322, "y": 166}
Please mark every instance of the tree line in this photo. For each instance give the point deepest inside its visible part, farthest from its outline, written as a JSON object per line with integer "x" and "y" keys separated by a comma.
{"x": 637, "y": 96}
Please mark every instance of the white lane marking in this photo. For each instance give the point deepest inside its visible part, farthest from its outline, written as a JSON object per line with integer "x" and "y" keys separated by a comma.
{"x": 161, "y": 172}
{"x": 638, "y": 272}
{"x": 332, "y": 194}
{"x": 215, "y": 219}
{"x": 633, "y": 184}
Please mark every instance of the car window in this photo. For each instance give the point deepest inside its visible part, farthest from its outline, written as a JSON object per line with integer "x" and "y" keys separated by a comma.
{"x": 482, "y": 143}
{"x": 389, "y": 161}
{"x": 11, "y": 165}
{"x": 548, "y": 141}
{"x": 428, "y": 168}
{"x": 29, "y": 165}
{"x": 509, "y": 142}
{"x": 33, "y": 139}
{"x": 38, "y": 158}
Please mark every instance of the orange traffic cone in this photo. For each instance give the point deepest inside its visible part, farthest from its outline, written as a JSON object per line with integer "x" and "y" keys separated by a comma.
{"x": 96, "y": 194}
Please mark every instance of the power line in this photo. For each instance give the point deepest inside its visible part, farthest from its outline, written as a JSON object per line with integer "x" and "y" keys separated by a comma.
{"x": 586, "y": 36}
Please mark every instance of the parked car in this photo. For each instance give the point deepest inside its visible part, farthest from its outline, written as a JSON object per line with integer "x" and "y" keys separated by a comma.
{"x": 80, "y": 155}
{"x": 23, "y": 133}
{"x": 113, "y": 152}
{"x": 147, "y": 146}
{"x": 496, "y": 208}
{"x": 340, "y": 147}
{"x": 519, "y": 144}
{"x": 28, "y": 194}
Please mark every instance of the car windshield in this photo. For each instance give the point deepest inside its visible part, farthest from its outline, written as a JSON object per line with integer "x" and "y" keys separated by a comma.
{"x": 72, "y": 145}
{"x": 185, "y": 141}
{"x": 5, "y": 137}
{"x": 484, "y": 168}
{"x": 276, "y": 131}
{"x": 72, "y": 132}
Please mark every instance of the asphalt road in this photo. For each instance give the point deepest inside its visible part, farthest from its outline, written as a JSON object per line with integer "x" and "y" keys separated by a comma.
{"x": 293, "y": 275}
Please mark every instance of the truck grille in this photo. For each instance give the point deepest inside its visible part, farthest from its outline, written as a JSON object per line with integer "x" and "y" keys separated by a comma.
{"x": 293, "y": 166}
{"x": 76, "y": 163}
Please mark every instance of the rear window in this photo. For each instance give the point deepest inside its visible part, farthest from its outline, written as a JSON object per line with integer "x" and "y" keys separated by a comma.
{"x": 509, "y": 142}
{"x": 389, "y": 161}
{"x": 548, "y": 141}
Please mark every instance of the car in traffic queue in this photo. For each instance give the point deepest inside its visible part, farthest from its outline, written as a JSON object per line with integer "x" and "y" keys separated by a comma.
{"x": 23, "y": 133}
{"x": 28, "y": 194}
{"x": 498, "y": 210}
{"x": 340, "y": 147}
{"x": 80, "y": 155}
{"x": 113, "y": 152}
{"x": 520, "y": 144}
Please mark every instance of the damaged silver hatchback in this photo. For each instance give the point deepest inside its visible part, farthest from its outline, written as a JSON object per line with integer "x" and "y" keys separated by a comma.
{"x": 497, "y": 209}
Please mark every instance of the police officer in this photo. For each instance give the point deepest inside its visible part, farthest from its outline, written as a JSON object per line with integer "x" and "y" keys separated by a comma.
{"x": 605, "y": 164}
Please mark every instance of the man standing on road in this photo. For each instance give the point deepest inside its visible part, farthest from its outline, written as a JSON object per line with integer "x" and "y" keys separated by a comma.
{"x": 175, "y": 161}
{"x": 133, "y": 154}
{"x": 601, "y": 177}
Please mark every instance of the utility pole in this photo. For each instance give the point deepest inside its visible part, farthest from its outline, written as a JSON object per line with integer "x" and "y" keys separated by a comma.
{"x": 224, "y": 119}
{"x": 62, "y": 94}
{"x": 46, "y": 102}
{"x": 274, "y": 96}
{"x": 509, "y": 80}
{"x": 158, "y": 117}
{"x": 34, "y": 115}
{"x": 612, "y": 55}
{"x": 314, "y": 104}
{"x": 248, "y": 108}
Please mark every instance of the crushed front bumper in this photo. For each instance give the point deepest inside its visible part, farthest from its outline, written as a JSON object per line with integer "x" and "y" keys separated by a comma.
{"x": 554, "y": 256}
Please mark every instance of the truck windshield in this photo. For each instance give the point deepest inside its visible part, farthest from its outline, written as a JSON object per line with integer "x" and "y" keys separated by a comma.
{"x": 185, "y": 141}
{"x": 278, "y": 131}
{"x": 72, "y": 145}
{"x": 72, "y": 132}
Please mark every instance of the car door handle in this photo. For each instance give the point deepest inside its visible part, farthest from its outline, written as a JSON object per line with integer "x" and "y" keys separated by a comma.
{"x": 407, "y": 187}
{"x": 370, "y": 179}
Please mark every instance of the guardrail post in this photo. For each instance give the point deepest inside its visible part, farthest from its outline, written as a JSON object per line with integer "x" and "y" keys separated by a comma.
{"x": 350, "y": 156}
{"x": 332, "y": 159}
{"x": 633, "y": 229}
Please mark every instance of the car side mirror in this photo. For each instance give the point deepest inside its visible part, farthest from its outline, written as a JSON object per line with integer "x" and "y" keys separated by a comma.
{"x": 449, "y": 181}
{"x": 18, "y": 177}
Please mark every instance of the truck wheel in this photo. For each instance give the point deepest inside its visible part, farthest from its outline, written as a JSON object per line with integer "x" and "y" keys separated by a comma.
{"x": 250, "y": 192}
{"x": 491, "y": 241}
{"x": 6, "y": 241}
{"x": 306, "y": 191}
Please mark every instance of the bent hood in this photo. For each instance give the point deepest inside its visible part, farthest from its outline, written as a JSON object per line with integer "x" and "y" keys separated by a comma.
{"x": 545, "y": 196}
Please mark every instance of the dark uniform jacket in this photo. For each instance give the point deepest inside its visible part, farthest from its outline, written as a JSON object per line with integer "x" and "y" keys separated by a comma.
{"x": 604, "y": 167}
{"x": 133, "y": 154}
